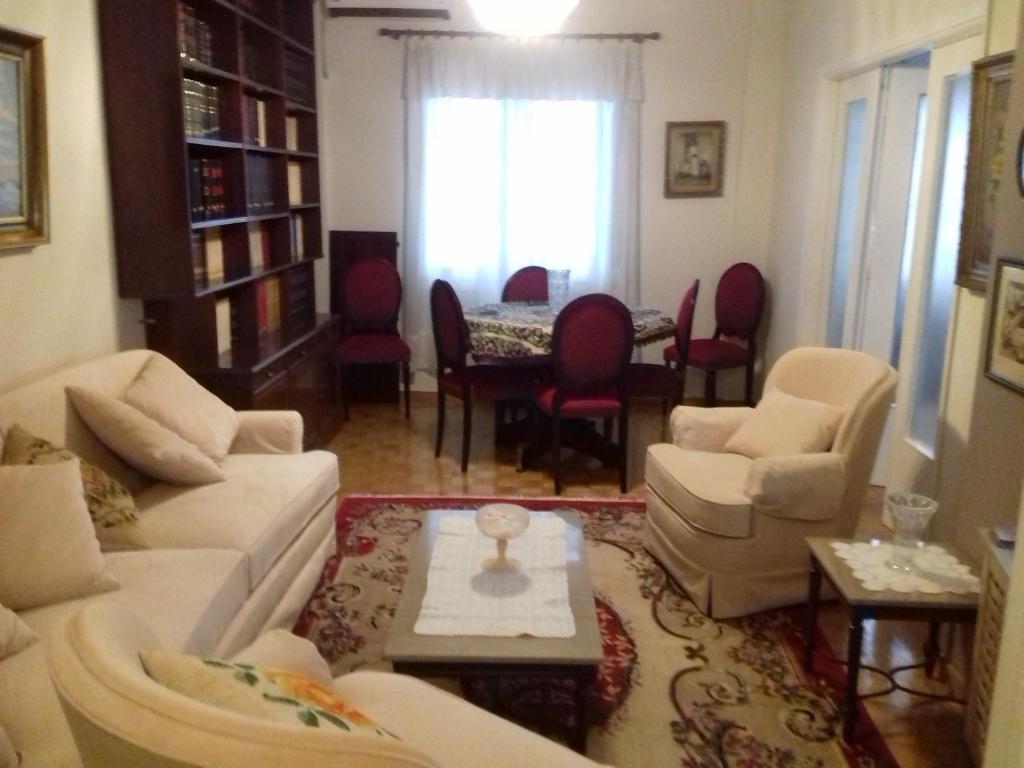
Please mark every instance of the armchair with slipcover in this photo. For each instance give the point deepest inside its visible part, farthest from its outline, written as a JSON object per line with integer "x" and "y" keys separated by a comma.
{"x": 731, "y": 499}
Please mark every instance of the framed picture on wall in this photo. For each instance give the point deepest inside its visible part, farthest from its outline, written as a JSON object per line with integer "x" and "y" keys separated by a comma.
{"x": 1005, "y": 359}
{"x": 694, "y": 158}
{"x": 24, "y": 214}
{"x": 986, "y": 151}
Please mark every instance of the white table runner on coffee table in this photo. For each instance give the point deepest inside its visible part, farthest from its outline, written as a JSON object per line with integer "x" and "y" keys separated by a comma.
{"x": 464, "y": 598}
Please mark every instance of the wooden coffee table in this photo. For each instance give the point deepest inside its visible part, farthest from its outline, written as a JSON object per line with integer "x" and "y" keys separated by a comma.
{"x": 574, "y": 658}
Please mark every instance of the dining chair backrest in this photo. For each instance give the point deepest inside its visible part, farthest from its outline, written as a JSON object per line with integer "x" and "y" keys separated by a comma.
{"x": 527, "y": 284}
{"x": 739, "y": 301}
{"x": 684, "y": 322}
{"x": 592, "y": 343}
{"x": 372, "y": 291}
{"x": 451, "y": 336}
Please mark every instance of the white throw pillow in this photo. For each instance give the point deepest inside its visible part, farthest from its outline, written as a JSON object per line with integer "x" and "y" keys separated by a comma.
{"x": 178, "y": 402}
{"x": 140, "y": 441}
{"x": 15, "y": 635}
{"x": 50, "y": 548}
{"x": 280, "y": 648}
{"x": 782, "y": 425}
{"x": 9, "y": 758}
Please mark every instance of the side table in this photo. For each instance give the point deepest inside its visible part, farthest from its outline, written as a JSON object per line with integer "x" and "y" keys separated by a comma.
{"x": 884, "y": 605}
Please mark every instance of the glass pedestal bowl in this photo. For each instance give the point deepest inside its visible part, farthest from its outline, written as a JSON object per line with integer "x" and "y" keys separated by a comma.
{"x": 910, "y": 514}
{"x": 502, "y": 522}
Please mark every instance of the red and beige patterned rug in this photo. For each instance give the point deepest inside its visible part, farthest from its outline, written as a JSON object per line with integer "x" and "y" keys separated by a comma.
{"x": 675, "y": 689}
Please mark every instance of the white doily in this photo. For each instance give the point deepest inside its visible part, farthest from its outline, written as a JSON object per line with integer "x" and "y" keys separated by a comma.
{"x": 935, "y": 570}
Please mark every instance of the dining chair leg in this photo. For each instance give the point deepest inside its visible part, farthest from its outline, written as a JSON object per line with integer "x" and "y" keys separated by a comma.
{"x": 710, "y": 398}
{"x": 405, "y": 383}
{"x": 467, "y": 428}
{"x": 440, "y": 422}
{"x": 607, "y": 433}
{"x": 346, "y": 388}
{"x": 623, "y": 444}
{"x": 750, "y": 383}
{"x": 556, "y": 450}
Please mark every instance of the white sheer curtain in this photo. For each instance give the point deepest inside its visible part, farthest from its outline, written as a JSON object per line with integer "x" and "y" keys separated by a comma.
{"x": 519, "y": 152}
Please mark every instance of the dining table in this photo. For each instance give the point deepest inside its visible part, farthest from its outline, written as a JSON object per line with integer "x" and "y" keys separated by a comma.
{"x": 516, "y": 331}
{"x": 520, "y": 333}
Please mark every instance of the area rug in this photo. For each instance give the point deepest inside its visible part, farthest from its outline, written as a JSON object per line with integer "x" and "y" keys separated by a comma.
{"x": 675, "y": 689}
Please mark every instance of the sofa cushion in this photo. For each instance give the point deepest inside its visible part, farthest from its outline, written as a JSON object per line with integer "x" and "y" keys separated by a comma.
{"x": 783, "y": 425}
{"x": 50, "y": 552}
{"x": 280, "y": 648}
{"x": 261, "y": 507}
{"x": 707, "y": 489}
{"x": 267, "y": 693}
{"x": 9, "y": 758}
{"x": 188, "y": 597}
{"x": 15, "y": 634}
{"x": 110, "y": 504}
{"x": 142, "y": 442}
{"x": 175, "y": 400}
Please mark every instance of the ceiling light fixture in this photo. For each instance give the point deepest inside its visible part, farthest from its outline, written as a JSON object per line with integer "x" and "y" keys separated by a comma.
{"x": 522, "y": 17}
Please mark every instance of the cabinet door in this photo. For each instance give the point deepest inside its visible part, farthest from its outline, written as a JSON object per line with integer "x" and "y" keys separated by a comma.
{"x": 311, "y": 382}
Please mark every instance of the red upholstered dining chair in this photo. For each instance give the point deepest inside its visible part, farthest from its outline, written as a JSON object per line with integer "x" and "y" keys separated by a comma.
{"x": 668, "y": 381}
{"x": 739, "y": 302}
{"x": 371, "y": 299}
{"x": 457, "y": 378}
{"x": 526, "y": 284}
{"x": 590, "y": 349}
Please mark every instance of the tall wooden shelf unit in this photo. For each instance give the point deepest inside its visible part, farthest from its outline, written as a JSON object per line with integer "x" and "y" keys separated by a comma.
{"x": 212, "y": 134}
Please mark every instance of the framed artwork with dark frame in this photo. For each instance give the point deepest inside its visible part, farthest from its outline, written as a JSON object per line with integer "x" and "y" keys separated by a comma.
{"x": 694, "y": 158}
{"x": 990, "y": 96}
{"x": 1004, "y": 361}
{"x": 24, "y": 205}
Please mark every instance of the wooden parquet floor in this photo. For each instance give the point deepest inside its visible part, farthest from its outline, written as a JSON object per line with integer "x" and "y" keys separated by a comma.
{"x": 380, "y": 452}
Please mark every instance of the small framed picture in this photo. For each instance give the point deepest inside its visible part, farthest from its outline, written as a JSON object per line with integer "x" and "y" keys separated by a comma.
{"x": 694, "y": 158}
{"x": 1005, "y": 359}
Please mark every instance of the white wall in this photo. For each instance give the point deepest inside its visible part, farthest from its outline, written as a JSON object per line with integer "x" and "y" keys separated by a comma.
{"x": 58, "y": 302}
{"x": 716, "y": 61}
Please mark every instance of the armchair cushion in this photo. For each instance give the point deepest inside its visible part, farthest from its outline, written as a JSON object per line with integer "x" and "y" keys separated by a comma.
{"x": 268, "y": 693}
{"x": 782, "y": 425}
{"x": 178, "y": 402}
{"x": 806, "y": 486}
{"x": 280, "y": 648}
{"x": 705, "y": 488}
{"x": 9, "y": 758}
{"x": 15, "y": 634}
{"x": 268, "y": 432}
{"x": 148, "y": 446}
{"x": 706, "y": 429}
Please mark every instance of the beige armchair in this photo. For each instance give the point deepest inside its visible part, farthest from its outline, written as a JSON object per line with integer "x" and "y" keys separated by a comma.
{"x": 731, "y": 527}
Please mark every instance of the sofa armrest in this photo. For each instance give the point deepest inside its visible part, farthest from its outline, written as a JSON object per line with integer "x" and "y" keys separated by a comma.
{"x": 268, "y": 432}
{"x": 806, "y": 486}
{"x": 705, "y": 429}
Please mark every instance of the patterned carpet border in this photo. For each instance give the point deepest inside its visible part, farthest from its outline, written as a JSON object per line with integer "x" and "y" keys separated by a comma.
{"x": 827, "y": 680}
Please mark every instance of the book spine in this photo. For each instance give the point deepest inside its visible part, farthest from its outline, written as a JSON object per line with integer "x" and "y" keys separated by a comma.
{"x": 196, "y": 188}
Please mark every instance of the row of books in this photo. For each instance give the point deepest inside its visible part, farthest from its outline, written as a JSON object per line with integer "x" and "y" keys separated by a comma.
{"x": 255, "y": 65}
{"x": 297, "y": 77}
{"x": 259, "y": 184}
{"x": 226, "y": 312}
{"x": 206, "y": 188}
{"x": 208, "y": 256}
{"x": 301, "y": 301}
{"x": 270, "y": 319}
{"x": 268, "y": 306}
{"x": 202, "y": 108}
{"x": 298, "y": 236}
{"x": 294, "y": 182}
{"x": 195, "y": 40}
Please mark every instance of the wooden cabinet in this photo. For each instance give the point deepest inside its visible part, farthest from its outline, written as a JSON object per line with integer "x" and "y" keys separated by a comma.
{"x": 215, "y": 181}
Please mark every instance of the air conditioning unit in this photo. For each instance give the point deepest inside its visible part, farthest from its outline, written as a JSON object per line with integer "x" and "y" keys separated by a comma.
{"x": 423, "y": 9}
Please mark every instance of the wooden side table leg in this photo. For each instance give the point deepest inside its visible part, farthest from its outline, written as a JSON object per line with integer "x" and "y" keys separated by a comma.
{"x": 931, "y": 648}
{"x": 852, "y": 672}
{"x": 584, "y": 679}
{"x": 811, "y": 613}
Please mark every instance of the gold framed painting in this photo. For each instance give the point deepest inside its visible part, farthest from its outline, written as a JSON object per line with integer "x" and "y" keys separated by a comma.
{"x": 986, "y": 150}
{"x": 1005, "y": 359}
{"x": 694, "y": 158}
{"x": 24, "y": 204}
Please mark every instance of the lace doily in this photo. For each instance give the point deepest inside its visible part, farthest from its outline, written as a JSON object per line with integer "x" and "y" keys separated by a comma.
{"x": 935, "y": 570}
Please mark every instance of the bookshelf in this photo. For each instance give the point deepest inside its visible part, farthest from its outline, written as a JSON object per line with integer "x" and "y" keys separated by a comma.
{"x": 212, "y": 133}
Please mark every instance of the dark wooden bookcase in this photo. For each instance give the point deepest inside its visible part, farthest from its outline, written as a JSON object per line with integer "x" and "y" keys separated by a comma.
{"x": 212, "y": 133}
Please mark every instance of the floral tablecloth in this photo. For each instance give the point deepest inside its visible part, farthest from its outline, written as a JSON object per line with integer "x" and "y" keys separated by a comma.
{"x": 523, "y": 329}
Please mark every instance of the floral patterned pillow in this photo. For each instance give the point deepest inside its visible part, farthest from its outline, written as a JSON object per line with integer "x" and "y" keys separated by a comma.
{"x": 268, "y": 693}
{"x": 110, "y": 503}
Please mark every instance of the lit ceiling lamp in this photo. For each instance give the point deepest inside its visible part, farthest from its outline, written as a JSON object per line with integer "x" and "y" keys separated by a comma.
{"x": 522, "y": 17}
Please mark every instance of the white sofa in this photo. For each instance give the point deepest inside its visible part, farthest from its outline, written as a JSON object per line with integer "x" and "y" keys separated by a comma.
{"x": 221, "y": 563}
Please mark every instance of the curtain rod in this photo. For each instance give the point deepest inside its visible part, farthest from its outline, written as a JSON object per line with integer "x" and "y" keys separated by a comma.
{"x": 636, "y": 37}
